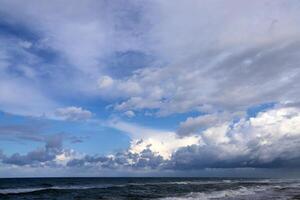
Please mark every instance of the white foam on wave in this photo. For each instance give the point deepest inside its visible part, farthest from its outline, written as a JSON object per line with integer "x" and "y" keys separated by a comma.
{"x": 191, "y": 182}
{"x": 19, "y": 190}
{"x": 243, "y": 191}
{"x": 28, "y": 190}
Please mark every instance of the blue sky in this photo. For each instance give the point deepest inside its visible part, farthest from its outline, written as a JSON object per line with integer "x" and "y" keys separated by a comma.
{"x": 148, "y": 87}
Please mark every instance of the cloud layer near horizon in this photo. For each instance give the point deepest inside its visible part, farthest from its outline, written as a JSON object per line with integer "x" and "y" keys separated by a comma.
{"x": 269, "y": 140}
{"x": 199, "y": 64}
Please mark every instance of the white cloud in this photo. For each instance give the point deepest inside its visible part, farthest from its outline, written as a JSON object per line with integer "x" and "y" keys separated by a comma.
{"x": 247, "y": 53}
{"x": 105, "y": 82}
{"x": 161, "y": 142}
{"x": 235, "y": 61}
{"x": 19, "y": 97}
{"x": 67, "y": 155}
{"x": 269, "y": 140}
{"x": 73, "y": 113}
{"x": 273, "y": 135}
{"x": 129, "y": 113}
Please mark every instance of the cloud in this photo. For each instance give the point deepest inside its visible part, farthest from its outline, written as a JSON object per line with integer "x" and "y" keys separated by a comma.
{"x": 243, "y": 58}
{"x": 23, "y": 131}
{"x": 105, "y": 82}
{"x": 161, "y": 142}
{"x": 123, "y": 160}
{"x": 41, "y": 55}
{"x": 229, "y": 84}
{"x": 129, "y": 113}
{"x": 35, "y": 131}
{"x": 238, "y": 60}
{"x": 73, "y": 113}
{"x": 269, "y": 140}
{"x": 13, "y": 91}
{"x": 192, "y": 124}
{"x": 247, "y": 55}
{"x": 38, "y": 157}
{"x": 18, "y": 70}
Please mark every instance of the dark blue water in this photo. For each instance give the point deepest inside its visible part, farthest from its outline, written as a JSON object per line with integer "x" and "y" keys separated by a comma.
{"x": 148, "y": 188}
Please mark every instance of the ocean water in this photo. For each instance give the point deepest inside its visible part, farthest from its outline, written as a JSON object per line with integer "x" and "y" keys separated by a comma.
{"x": 148, "y": 188}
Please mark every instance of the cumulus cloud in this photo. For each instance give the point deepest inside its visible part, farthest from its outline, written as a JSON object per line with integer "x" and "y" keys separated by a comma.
{"x": 248, "y": 54}
{"x": 269, "y": 140}
{"x": 38, "y": 157}
{"x": 73, "y": 113}
{"x": 123, "y": 160}
{"x": 161, "y": 142}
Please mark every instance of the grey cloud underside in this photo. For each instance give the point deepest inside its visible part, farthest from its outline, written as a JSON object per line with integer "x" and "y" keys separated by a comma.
{"x": 145, "y": 160}
{"x": 216, "y": 57}
{"x": 268, "y": 140}
{"x": 32, "y": 131}
{"x": 38, "y": 157}
{"x": 187, "y": 158}
{"x": 23, "y": 132}
{"x": 73, "y": 113}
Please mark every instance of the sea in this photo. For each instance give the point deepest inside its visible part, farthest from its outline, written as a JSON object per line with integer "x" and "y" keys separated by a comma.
{"x": 148, "y": 188}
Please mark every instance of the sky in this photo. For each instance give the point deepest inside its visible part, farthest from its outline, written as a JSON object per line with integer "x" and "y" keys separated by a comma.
{"x": 149, "y": 88}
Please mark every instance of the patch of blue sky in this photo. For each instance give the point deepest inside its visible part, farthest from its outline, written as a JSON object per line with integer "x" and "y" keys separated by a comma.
{"x": 101, "y": 142}
{"x": 254, "y": 110}
{"x": 96, "y": 138}
{"x": 93, "y": 137}
{"x": 9, "y": 28}
{"x": 19, "y": 133}
{"x": 22, "y": 147}
{"x": 6, "y": 118}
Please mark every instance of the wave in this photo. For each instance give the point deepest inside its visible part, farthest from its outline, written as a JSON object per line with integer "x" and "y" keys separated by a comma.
{"x": 20, "y": 190}
{"x": 242, "y": 191}
{"x": 30, "y": 190}
{"x": 228, "y": 190}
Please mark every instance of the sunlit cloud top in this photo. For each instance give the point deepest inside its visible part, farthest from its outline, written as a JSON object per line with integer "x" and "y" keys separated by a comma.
{"x": 148, "y": 86}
